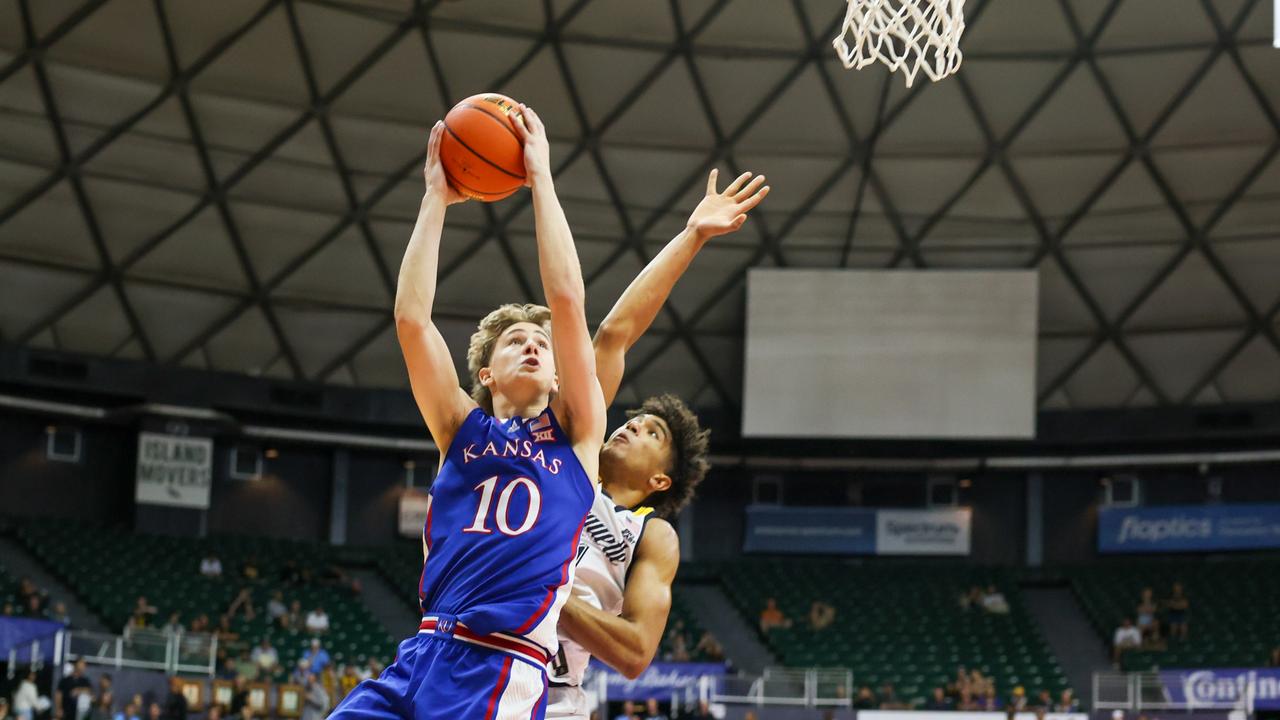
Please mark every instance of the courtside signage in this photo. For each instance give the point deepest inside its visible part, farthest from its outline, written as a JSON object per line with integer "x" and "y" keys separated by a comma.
{"x": 1181, "y": 528}
{"x": 661, "y": 679}
{"x": 1223, "y": 687}
{"x": 174, "y": 470}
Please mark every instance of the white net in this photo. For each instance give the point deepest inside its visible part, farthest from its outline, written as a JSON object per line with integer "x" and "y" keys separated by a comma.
{"x": 906, "y": 35}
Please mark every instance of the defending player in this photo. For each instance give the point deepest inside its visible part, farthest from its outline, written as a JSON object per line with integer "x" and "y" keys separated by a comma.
{"x": 520, "y": 456}
{"x": 629, "y": 553}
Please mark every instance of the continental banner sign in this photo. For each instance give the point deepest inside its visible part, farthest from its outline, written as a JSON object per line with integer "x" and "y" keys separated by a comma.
{"x": 857, "y": 531}
{"x": 174, "y": 470}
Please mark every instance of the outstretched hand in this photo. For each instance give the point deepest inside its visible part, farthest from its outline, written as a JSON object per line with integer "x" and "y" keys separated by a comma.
{"x": 433, "y": 171}
{"x": 720, "y": 213}
{"x": 537, "y": 149}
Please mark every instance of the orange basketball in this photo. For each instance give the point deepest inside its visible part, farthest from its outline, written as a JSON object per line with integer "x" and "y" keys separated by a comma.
{"x": 481, "y": 150}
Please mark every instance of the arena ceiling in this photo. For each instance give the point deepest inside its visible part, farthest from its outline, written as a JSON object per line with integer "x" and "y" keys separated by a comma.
{"x": 230, "y": 185}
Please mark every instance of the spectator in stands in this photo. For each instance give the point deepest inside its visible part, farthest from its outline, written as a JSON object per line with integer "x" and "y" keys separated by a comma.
{"x": 771, "y": 617}
{"x": 27, "y": 590}
{"x": 200, "y": 624}
{"x": 26, "y": 699}
{"x": 708, "y": 649}
{"x": 33, "y": 608}
{"x": 173, "y": 626}
{"x": 228, "y": 671}
{"x": 213, "y": 713}
{"x": 102, "y": 707}
{"x": 628, "y": 711}
{"x": 155, "y": 712}
{"x": 60, "y": 614}
{"x": 1148, "y": 624}
{"x": 348, "y": 680}
{"x": 865, "y": 699}
{"x": 276, "y": 608}
{"x": 175, "y": 707}
{"x": 1018, "y": 700}
{"x": 249, "y": 571}
{"x": 821, "y": 615}
{"x": 1274, "y": 661}
{"x": 678, "y": 650}
{"x": 702, "y": 712}
{"x": 988, "y": 701}
{"x": 317, "y": 657}
{"x": 300, "y": 672}
{"x": 293, "y": 619}
{"x": 652, "y": 711}
{"x": 889, "y": 698}
{"x": 4, "y": 708}
{"x": 265, "y": 656}
{"x": 245, "y": 666}
{"x": 226, "y": 635}
{"x": 374, "y": 667}
{"x": 142, "y": 613}
{"x": 1177, "y": 607}
{"x": 1067, "y": 702}
{"x": 132, "y": 710}
{"x": 1044, "y": 701}
{"x": 316, "y": 704}
{"x": 66, "y": 703}
{"x": 211, "y": 566}
{"x": 993, "y": 601}
{"x": 243, "y": 602}
{"x": 317, "y": 621}
{"x": 938, "y": 701}
{"x": 239, "y": 696}
{"x": 1127, "y": 637}
{"x": 8, "y": 610}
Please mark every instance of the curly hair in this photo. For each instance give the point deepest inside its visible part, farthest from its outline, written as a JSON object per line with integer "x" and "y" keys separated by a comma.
{"x": 690, "y": 447}
{"x": 483, "y": 340}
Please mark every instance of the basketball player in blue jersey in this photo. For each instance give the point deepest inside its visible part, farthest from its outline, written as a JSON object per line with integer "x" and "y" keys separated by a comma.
{"x": 649, "y": 470}
{"x": 519, "y": 461}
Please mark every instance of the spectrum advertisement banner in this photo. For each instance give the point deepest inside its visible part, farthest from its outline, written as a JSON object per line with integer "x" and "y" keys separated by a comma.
{"x": 1223, "y": 687}
{"x": 1180, "y": 528}
{"x": 856, "y": 531}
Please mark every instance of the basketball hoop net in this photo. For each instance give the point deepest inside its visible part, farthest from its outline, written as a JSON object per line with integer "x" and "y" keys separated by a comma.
{"x": 906, "y": 35}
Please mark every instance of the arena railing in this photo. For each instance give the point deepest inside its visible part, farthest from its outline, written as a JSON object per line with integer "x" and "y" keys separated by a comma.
{"x": 1181, "y": 690}
{"x": 802, "y": 687}
{"x": 144, "y": 649}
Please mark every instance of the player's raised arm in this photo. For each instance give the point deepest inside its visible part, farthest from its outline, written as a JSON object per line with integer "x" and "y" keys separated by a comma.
{"x": 432, "y": 374}
{"x": 579, "y": 402}
{"x": 718, "y": 213}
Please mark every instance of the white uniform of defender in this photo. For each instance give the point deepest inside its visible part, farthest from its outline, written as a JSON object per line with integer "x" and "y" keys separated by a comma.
{"x": 608, "y": 544}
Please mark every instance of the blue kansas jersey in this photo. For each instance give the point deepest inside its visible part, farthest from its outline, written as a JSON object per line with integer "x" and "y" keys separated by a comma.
{"x": 503, "y": 523}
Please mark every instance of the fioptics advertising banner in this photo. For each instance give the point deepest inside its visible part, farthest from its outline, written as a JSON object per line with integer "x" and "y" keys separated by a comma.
{"x": 856, "y": 531}
{"x": 1177, "y": 528}
{"x": 174, "y": 470}
{"x": 1219, "y": 687}
{"x": 661, "y": 679}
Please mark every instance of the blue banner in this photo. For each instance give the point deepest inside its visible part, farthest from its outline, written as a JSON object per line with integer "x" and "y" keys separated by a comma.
{"x": 811, "y": 530}
{"x": 1180, "y": 528}
{"x": 659, "y": 680}
{"x": 1223, "y": 687}
{"x": 22, "y": 634}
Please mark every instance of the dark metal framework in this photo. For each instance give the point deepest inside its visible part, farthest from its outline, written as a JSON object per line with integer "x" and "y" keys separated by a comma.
{"x": 857, "y": 157}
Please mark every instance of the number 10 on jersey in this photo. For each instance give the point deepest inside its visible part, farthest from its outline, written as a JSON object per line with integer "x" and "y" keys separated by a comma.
{"x": 486, "y": 490}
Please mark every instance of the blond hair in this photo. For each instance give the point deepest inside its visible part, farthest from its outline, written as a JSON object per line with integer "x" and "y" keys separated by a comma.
{"x": 483, "y": 340}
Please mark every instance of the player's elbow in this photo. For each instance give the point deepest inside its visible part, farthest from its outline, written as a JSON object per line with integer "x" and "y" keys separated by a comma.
{"x": 634, "y": 668}
{"x": 567, "y": 296}
{"x": 612, "y": 334}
